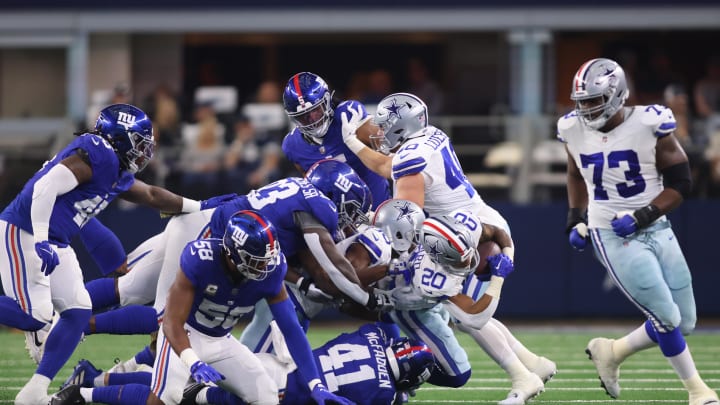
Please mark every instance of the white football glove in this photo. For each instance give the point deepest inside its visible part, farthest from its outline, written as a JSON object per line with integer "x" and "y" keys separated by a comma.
{"x": 351, "y": 121}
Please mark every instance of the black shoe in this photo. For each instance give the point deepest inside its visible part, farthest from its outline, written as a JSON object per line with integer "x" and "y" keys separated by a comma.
{"x": 190, "y": 393}
{"x": 69, "y": 395}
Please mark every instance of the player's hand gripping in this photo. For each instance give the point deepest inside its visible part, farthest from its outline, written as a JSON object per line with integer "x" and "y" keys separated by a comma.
{"x": 213, "y": 202}
{"x": 351, "y": 121}
{"x": 322, "y": 396}
{"x": 500, "y": 265}
{"x": 624, "y": 224}
{"x": 48, "y": 255}
{"x": 204, "y": 373}
{"x": 380, "y": 300}
{"x": 578, "y": 236}
{"x": 307, "y": 286}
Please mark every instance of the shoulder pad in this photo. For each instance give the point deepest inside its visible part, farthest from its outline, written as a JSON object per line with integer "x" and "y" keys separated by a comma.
{"x": 567, "y": 121}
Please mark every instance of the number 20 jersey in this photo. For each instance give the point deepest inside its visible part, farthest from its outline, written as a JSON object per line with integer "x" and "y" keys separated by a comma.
{"x": 618, "y": 166}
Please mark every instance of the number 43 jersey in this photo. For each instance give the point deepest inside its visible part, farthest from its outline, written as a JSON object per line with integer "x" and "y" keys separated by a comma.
{"x": 353, "y": 365}
{"x": 618, "y": 166}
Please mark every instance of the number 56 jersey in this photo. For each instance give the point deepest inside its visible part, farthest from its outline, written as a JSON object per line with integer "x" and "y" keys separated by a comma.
{"x": 618, "y": 166}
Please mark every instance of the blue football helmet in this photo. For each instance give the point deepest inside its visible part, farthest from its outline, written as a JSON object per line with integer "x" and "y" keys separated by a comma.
{"x": 129, "y": 131}
{"x": 413, "y": 365}
{"x": 399, "y": 116}
{"x": 339, "y": 182}
{"x": 308, "y": 103}
{"x": 250, "y": 241}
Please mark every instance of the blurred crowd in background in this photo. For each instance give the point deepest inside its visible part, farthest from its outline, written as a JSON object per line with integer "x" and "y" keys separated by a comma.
{"x": 207, "y": 146}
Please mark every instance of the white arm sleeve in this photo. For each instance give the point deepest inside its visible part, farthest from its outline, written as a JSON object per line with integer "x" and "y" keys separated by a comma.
{"x": 475, "y": 321}
{"x": 348, "y": 288}
{"x": 58, "y": 181}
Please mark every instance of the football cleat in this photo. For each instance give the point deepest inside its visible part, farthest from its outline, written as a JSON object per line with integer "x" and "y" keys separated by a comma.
{"x": 544, "y": 368}
{"x": 83, "y": 374}
{"x": 601, "y": 353}
{"x": 69, "y": 395}
{"x": 524, "y": 390}
{"x": 35, "y": 344}
{"x": 190, "y": 393}
{"x": 708, "y": 397}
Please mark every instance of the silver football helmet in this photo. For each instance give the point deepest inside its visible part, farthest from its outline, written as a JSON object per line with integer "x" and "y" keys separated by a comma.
{"x": 401, "y": 221}
{"x": 449, "y": 242}
{"x": 399, "y": 116}
{"x": 601, "y": 79}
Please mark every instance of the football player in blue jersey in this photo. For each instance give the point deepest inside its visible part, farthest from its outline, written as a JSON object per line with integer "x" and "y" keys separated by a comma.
{"x": 219, "y": 281}
{"x": 627, "y": 169}
{"x": 421, "y": 161}
{"x": 365, "y": 366}
{"x": 317, "y": 134}
{"x": 40, "y": 272}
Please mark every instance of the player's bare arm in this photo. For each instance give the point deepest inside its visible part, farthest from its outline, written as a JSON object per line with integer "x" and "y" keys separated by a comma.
{"x": 360, "y": 259}
{"x": 672, "y": 162}
{"x": 469, "y": 306}
{"x": 577, "y": 193}
{"x": 155, "y": 197}
{"x": 79, "y": 166}
{"x": 177, "y": 310}
{"x": 412, "y": 188}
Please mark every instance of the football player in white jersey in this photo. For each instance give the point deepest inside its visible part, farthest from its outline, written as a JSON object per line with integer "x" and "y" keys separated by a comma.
{"x": 627, "y": 170}
{"x": 421, "y": 161}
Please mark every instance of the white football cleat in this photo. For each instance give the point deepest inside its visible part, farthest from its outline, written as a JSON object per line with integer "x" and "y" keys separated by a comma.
{"x": 523, "y": 390}
{"x": 35, "y": 344}
{"x": 31, "y": 394}
{"x": 708, "y": 397}
{"x": 544, "y": 368}
{"x": 608, "y": 368}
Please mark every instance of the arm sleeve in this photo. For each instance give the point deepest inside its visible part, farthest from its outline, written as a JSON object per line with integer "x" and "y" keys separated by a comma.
{"x": 57, "y": 181}
{"x": 295, "y": 339}
{"x": 475, "y": 321}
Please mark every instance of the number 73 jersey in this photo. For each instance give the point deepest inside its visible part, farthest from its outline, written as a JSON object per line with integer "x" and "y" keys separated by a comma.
{"x": 618, "y": 166}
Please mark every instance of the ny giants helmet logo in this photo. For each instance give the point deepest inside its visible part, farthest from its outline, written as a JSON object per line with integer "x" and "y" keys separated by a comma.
{"x": 126, "y": 120}
{"x": 239, "y": 236}
{"x": 343, "y": 183}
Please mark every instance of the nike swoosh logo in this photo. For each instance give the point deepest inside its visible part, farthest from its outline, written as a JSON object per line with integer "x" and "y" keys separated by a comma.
{"x": 95, "y": 142}
{"x": 192, "y": 251}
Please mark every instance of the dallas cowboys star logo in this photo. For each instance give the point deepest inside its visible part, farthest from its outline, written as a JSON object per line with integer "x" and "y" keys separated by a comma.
{"x": 394, "y": 109}
{"x": 432, "y": 249}
{"x": 404, "y": 211}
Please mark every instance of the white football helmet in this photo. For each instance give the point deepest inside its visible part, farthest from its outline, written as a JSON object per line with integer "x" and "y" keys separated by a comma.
{"x": 401, "y": 221}
{"x": 449, "y": 242}
{"x": 399, "y": 116}
{"x": 599, "y": 78}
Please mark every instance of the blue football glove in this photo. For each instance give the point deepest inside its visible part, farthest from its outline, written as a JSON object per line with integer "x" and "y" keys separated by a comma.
{"x": 213, "y": 202}
{"x": 579, "y": 237}
{"x": 624, "y": 224}
{"x": 48, "y": 255}
{"x": 204, "y": 373}
{"x": 500, "y": 265}
{"x": 322, "y": 396}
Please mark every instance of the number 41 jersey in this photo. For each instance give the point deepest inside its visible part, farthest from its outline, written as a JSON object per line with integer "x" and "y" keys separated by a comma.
{"x": 353, "y": 365}
{"x": 618, "y": 166}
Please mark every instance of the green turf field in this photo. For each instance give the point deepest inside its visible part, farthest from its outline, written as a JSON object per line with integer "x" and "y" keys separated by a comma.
{"x": 646, "y": 378}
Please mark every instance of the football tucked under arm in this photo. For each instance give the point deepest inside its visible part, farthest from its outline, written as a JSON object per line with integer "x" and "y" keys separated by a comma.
{"x": 486, "y": 249}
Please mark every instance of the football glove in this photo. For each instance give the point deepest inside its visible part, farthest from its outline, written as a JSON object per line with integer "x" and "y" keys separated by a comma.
{"x": 579, "y": 236}
{"x": 351, "y": 121}
{"x": 213, "y": 202}
{"x": 624, "y": 224}
{"x": 204, "y": 373}
{"x": 380, "y": 300}
{"x": 500, "y": 265}
{"x": 322, "y": 396}
{"x": 48, "y": 256}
